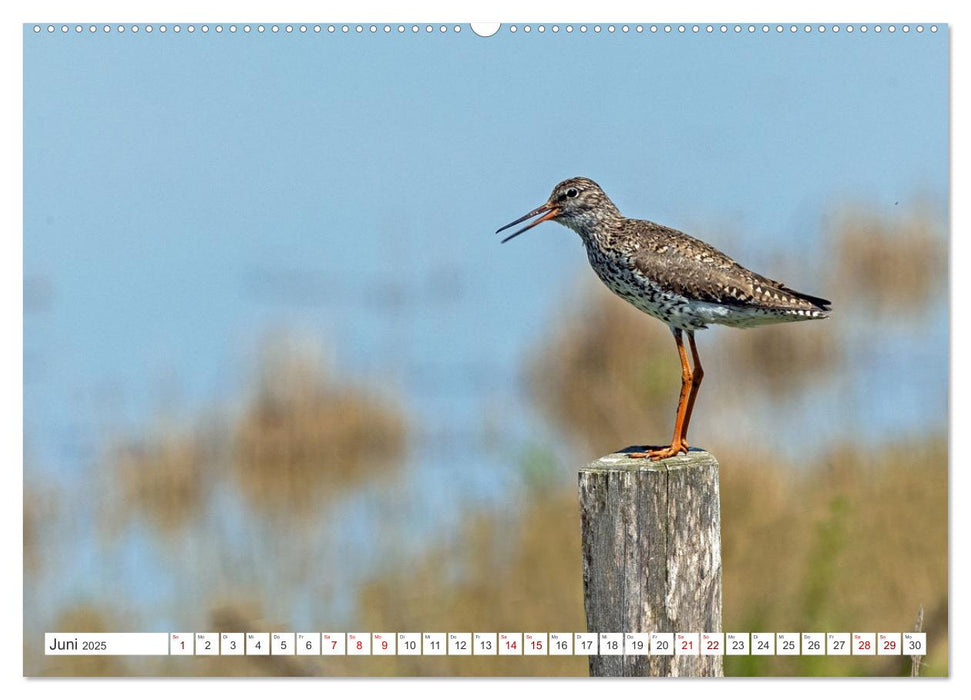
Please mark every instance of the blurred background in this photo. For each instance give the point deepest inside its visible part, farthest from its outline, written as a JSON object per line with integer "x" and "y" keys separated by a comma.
{"x": 279, "y": 375}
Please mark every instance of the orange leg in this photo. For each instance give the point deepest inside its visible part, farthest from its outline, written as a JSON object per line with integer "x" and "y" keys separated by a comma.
{"x": 688, "y": 390}
{"x": 697, "y": 374}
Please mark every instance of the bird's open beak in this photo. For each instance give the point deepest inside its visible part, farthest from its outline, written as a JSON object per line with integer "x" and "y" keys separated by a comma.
{"x": 549, "y": 211}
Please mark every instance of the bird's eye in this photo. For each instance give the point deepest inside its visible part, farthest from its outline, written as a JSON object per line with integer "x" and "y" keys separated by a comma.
{"x": 572, "y": 192}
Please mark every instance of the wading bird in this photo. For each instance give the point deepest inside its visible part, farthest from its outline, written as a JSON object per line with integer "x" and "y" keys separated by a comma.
{"x": 678, "y": 279}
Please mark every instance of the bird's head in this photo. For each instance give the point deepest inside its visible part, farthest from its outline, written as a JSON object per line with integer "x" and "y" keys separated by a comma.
{"x": 578, "y": 203}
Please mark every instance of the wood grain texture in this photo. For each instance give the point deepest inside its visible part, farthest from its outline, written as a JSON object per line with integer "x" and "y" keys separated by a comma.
{"x": 651, "y": 539}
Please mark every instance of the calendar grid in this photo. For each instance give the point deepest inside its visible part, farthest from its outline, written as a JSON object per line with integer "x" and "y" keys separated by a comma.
{"x": 486, "y": 644}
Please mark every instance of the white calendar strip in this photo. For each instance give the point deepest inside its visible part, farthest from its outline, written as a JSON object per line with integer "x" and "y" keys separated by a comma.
{"x": 486, "y": 644}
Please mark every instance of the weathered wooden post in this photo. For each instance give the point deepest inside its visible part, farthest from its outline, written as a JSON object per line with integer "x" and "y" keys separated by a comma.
{"x": 651, "y": 534}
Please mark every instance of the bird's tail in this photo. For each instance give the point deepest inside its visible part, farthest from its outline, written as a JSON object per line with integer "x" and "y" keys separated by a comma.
{"x": 818, "y": 302}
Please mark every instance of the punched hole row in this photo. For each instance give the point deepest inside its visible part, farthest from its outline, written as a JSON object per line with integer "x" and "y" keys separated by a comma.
{"x": 512, "y": 29}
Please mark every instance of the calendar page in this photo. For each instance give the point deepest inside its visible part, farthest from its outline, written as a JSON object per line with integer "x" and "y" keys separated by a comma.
{"x": 299, "y": 400}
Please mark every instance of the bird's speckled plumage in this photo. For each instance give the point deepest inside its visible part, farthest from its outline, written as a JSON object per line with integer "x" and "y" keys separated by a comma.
{"x": 678, "y": 279}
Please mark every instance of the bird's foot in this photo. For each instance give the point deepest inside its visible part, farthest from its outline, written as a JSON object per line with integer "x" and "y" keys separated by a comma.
{"x": 660, "y": 453}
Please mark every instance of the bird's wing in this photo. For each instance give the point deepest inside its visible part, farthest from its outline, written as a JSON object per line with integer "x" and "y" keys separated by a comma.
{"x": 697, "y": 270}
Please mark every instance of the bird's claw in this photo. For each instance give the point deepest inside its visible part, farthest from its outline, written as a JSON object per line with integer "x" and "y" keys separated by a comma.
{"x": 672, "y": 450}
